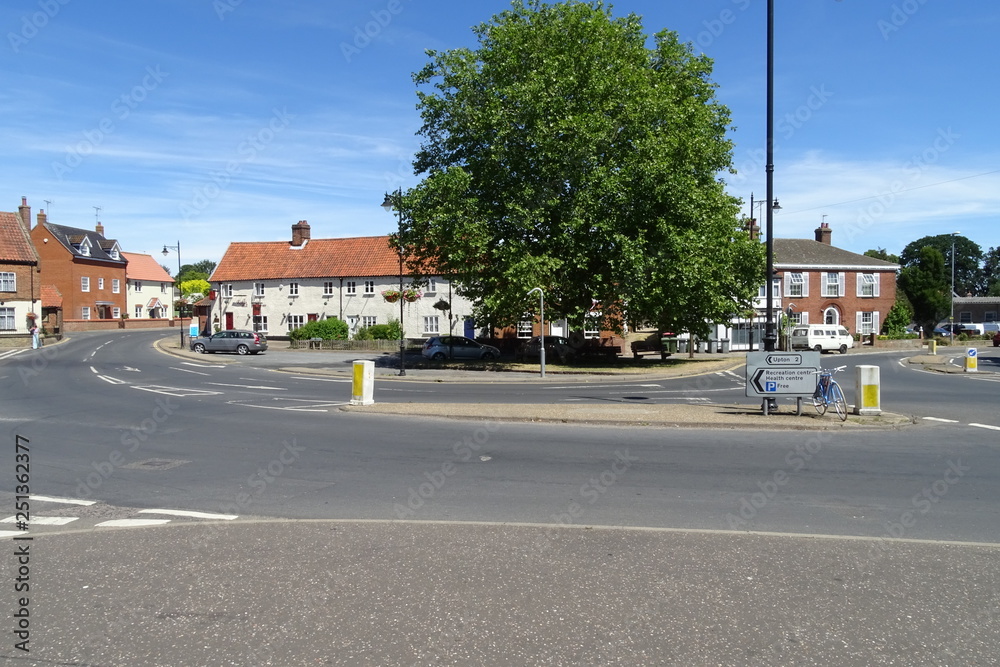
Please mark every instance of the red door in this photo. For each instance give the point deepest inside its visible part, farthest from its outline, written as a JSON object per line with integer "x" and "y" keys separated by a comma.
{"x": 313, "y": 317}
{"x": 229, "y": 320}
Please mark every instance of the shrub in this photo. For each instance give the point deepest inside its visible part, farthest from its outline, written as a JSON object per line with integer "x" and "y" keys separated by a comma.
{"x": 390, "y": 331}
{"x": 328, "y": 329}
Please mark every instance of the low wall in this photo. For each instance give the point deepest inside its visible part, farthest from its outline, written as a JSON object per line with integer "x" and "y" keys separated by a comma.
{"x": 109, "y": 325}
{"x": 14, "y": 340}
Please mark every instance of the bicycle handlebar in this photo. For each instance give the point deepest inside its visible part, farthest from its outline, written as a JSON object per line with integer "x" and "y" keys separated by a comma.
{"x": 830, "y": 371}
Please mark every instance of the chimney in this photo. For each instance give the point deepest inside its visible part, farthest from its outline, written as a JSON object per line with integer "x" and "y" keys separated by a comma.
{"x": 300, "y": 233}
{"x": 753, "y": 229}
{"x": 24, "y": 211}
{"x": 823, "y": 233}
{"x": 99, "y": 228}
{"x": 42, "y": 218}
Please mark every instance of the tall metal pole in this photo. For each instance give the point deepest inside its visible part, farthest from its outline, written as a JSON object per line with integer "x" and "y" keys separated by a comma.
{"x": 541, "y": 339}
{"x": 951, "y": 316}
{"x": 770, "y": 336}
{"x": 402, "y": 330}
{"x": 180, "y": 311}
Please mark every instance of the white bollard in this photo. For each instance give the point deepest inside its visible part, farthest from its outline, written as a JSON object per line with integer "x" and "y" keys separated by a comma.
{"x": 363, "y": 386}
{"x": 868, "y": 391}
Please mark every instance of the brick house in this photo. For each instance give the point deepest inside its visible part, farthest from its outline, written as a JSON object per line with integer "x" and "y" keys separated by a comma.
{"x": 977, "y": 308}
{"x": 276, "y": 286}
{"x": 20, "y": 282}
{"x": 85, "y": 267}
{"x": 148, "y": 288}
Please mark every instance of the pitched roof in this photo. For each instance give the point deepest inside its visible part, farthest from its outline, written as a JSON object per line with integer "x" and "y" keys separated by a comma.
{"x": 51, "y": 297}
{"x": 806, "y": 253}
{"x": 145, "y": 267}
{"x": 15, "y": 243}
{"x": 71, "y": 237}
{"x": 362, "y": 256}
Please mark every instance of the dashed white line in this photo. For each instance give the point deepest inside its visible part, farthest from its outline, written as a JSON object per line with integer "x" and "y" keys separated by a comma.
{"x": 43, "y": 520}
{"x": 992, "y": 428}
{"x": 297, "y": 377}
{"x": 68, "y": 501}
{"x": 130, "y": 523}
{"x": 188, "y": 370}
{"x": 939, "y": 419}
{"x": 247, "y": 386}
{"x": 193, "y": 515}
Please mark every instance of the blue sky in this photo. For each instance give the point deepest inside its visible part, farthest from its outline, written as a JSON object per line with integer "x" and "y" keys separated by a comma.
{"x": 209, "y": 121}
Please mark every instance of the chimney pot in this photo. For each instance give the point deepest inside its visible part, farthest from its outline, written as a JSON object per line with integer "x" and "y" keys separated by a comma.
{"x": 300, "y": 233}
{"x": 823, "y": 233}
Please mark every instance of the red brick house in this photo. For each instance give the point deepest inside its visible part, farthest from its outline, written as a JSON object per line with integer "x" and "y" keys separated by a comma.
{"x": 85, "y": 267}
{"x": 20, "y": 282}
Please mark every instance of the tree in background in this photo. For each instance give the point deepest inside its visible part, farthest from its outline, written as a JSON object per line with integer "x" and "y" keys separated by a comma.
{"x": 927, "y": 284}
{"x": 565, "y": 154}
{"x": 969, "y": 276}
{"x": 883, "y": 255}
{"x": 899, "y": 317}
{"x": 991, "y": 271}
{"x": 196, "y": 287}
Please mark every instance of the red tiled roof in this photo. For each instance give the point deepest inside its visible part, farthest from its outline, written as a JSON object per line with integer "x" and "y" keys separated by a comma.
{"x": 145, "y": 267}
{"x": 15, "y": 243}
{"x": 363, "y": 256}
{"x": 51, "y": 298}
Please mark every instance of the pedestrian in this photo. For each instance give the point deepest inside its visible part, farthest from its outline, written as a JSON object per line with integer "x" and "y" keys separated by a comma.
{"x": 35, "y": 342}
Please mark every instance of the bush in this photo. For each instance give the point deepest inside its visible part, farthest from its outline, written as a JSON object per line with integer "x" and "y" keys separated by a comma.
{"x": 390, "y": 331}
{"x": 328, "y": 329}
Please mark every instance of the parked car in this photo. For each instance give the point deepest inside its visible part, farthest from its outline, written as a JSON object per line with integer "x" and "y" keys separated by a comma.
{"x": 821, "y": 337}
{"x": 457, "y": 347}
{"x": 557, "y": 348}
{"x": 996, "y": 339}
{"x": 230, "y": 340}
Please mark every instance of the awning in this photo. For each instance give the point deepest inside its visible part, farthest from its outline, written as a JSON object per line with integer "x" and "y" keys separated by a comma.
{"x": 154, "y": 303}
{"x": 106, "y": 303}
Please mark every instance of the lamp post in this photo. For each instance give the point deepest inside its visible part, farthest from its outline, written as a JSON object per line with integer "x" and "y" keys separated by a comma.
{"x": 769, "y": 333}
{"x": 951, "y": 316}
{"x": 541, "y": 305}
{"x": 388, "y": 203}
{"x": 769, "y": 240}
{"x": 166, "y": 251}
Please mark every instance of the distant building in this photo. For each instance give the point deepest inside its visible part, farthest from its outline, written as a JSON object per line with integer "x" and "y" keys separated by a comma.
{"x": 149, "y": 288}
{"x": 20, "y": 281}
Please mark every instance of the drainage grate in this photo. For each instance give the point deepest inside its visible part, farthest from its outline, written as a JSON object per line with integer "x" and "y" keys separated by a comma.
{"x": 156, "y": 464}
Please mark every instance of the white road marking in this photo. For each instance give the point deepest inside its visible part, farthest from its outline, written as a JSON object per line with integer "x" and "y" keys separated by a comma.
{"x": 130, "y": 523}
{"x": 188, "y": 370}
{"x": 12, "y": 533}
{"x": 939, "y": 419}
{"x": 176, "y": 391}
{"x": 191, "y": 363}
{"x": 111, "y": 380}
{"x": 992, "y": 428}
{"x": 605, "y": 386}
{"x": 193, "y": 515}
{"x": 316, "y": 379}
{"x": 44, "y": 520}
{"x": 10, "y": 353}
{"x": 68, "y": 501}
{"x": 247, "y": 386}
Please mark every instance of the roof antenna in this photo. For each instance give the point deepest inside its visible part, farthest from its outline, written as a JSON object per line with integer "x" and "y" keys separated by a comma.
{"x": 823, "y": 221}
{"x": 48, "y": 206}
{"x": 97, "y": 214}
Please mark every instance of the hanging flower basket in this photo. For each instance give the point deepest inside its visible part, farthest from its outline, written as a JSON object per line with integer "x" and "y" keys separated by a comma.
{"x": 391, "y": 295}
{"x": 411, "y": 295}
{"x": 32, "y": 316}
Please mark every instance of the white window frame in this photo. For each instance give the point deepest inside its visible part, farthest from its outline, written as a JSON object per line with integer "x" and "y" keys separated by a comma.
{"x": 116, "y": 286}
{"x": 351, "y": 287}
{"x": 85, "y": 247}
{"x": 84, "y": 283}
{"x": 8, "y": 281}
{"x": 116, "y": 312}
{"x": 7, "y": 319}
{"x": 296, "y": 321}
{"x": 137, "y": 285}
{"x": 85, "y": 313}
{"x": 432, "y": 324}
{"x": 868, "y": 285}
{"x": 837, "y": 285}
{"x": 100, "y": 283}
{"x": 139, "y": 311}
{"x": 227, "y": 290}
{"x": 328, "y": 288}
{"x": 258, "y": 289}
{"x": 525, "y": 328}
{"x": 260, "y": 323}
{"x": 431, "y": 286}
{"x": 293, "y": 289}
{"x": 368, "y": 321}
{"x": 369, "y": 287}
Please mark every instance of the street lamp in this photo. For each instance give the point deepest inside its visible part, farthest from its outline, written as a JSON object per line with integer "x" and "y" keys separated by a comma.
{"x": 541, "y": 305}
{"x": 388, "y": 203}
{"x": 951, "y": 317}
{"x": 166, "y": 251}
{"x": 769, "y": 287}
{"x": 769, "y": 333}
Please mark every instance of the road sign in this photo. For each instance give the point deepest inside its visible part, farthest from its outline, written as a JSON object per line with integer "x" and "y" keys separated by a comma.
{"x": 781, "y": 373}
{"x": 971, "y": 360}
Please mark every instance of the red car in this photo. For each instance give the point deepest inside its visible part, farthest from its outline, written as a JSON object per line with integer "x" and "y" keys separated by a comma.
{"x": 996, "y": 339}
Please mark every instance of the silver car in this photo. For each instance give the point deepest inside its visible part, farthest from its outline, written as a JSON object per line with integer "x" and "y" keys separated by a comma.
{"x": 231, "y": 340}
{"x": 458, "y": 347}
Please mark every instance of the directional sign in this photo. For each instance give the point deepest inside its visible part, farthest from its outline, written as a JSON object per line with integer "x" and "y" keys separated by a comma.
{"x": 781, "y": 373}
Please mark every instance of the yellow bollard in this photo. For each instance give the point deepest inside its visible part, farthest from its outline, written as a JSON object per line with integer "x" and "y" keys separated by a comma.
{"x": 931, "y": 346}
{"x": 867, "y": 389}
{"x": 363, "y": 385}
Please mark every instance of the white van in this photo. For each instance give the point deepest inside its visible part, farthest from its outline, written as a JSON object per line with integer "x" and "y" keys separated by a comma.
{"x": 821, "y": 337}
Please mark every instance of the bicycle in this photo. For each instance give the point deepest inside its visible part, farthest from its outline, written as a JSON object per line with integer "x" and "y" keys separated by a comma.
{"x": 829, "y": 392}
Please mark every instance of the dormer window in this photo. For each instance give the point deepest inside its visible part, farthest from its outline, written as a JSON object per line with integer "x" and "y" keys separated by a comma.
{"x": 114, "y": 254}
{"x": 85, "y": 247}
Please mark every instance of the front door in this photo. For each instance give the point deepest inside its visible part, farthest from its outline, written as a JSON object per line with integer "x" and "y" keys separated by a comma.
{"x": 229, "y": 320}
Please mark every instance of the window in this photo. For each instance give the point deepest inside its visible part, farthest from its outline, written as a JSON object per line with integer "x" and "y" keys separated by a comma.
{"x": 795, "y": 318}
{"x": 866, "y": 323}
{"x": 867, "y": 284}
{"x": 100, "y": 283}
{"x": 794, "y": 284}
{"x": 431, "y": 324}
{"x": 432, "y": 286}
{"x": 116, "y": 312}
{"x": 6, "y": 319}
{"x": 260, "y": 323}
{"x": 137, "y": 285}
{"x": 965, "y": 317}
{"x": 368, "y": 320}
{"x": 8, "y": 282}
{"x": 84, "y": 283}
{"x": 369, "y": 287}
{"x": 85, "y": 248}
{"x": 116, "y": 286}
{"x": 293, "y": 289}
{"x": 352, "y": 287}
{"x": 524, "y": 328}
{"x": 328, "y": 288}
{"x": 990, "y": 316}
{"x": 295, "y": 321}
{"x": 832, "y": 285}
{"x": 163, "y": 287}
{"x": 258, "y": 289}
{"x": 85, "y": 313}
{"x": 592, "y": 325}
{"x": 775, "y": 289}
{"x": 138, "y": 311}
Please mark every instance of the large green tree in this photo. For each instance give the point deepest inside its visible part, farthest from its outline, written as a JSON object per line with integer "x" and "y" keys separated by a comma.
{"x": 968, "y": 257}
{"x": 565, "y": 154}
{"x": 926, "y": 284}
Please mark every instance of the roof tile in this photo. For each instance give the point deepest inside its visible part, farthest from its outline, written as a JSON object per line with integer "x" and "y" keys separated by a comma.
{"x": 15, "y": 243}
{"x": 363, "y": 256}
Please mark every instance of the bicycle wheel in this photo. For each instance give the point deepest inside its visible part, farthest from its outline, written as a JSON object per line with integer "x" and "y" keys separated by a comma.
{"x": 837, "y": 397}
{"x": 819, "y": 402}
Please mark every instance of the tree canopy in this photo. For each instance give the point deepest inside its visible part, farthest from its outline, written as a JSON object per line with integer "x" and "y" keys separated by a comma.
{"x": 927, "y": 283}
{"x": 565, "y": 154}
{"x": 969, "y": 278}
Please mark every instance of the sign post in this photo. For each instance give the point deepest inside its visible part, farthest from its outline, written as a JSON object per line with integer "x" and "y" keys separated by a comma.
{"x": 773, "y": 374}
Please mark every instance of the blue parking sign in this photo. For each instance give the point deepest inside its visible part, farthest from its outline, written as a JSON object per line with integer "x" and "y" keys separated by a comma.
{"x": 770, "y": 386}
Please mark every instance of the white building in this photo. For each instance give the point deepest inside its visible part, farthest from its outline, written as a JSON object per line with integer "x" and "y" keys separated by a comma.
{"x": 149, "y": 290}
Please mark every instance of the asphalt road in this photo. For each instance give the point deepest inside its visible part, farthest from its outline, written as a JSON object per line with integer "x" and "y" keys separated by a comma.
{"x": 111, "y": 420}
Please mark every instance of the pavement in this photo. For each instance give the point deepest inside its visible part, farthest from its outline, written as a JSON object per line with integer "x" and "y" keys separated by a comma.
{"x": 739, "y": 416}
